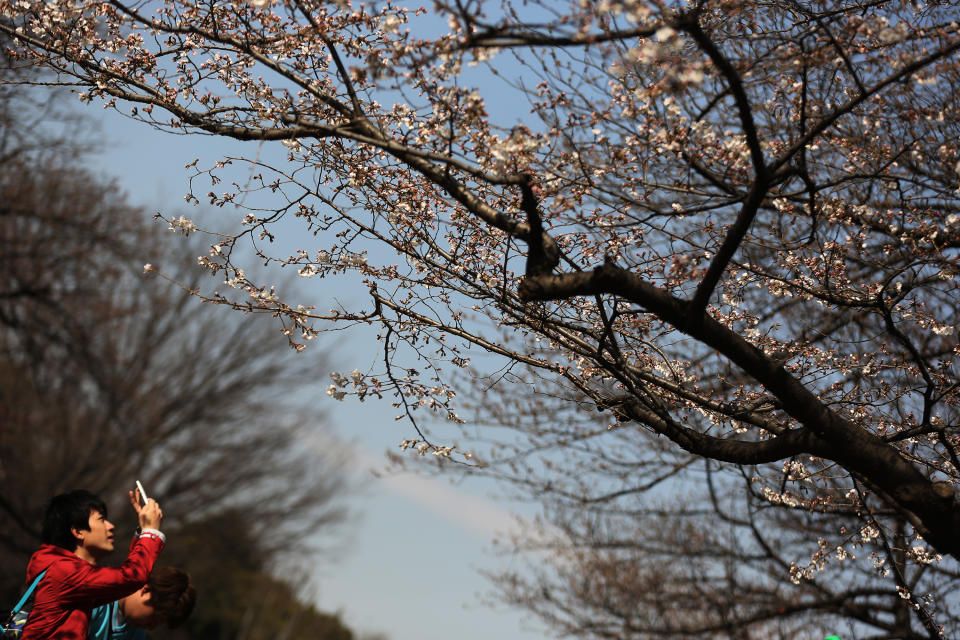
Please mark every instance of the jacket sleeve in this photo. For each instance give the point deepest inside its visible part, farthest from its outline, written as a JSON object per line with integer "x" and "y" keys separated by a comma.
{"x": 92, "y": 586}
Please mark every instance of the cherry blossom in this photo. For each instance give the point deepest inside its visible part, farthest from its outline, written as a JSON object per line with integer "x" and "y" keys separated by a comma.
{"x": 725, "y": 230}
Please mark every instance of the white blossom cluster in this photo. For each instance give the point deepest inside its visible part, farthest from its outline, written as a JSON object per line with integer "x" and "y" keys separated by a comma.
{"x": 422, "y": 448}
{"x": 340, "y": 381}
{"x": 182, "y": 225}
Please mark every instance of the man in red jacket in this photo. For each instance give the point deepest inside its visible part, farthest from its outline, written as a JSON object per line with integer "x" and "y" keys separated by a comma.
{"x": 75, "y": 535}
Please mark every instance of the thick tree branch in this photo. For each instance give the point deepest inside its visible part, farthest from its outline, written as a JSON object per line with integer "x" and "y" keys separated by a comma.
{"x": 723, "y": 449}
{"x": 855, "y": 448}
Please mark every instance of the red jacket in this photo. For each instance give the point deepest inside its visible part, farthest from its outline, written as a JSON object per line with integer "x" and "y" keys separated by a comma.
{"x": 72, "y": 587}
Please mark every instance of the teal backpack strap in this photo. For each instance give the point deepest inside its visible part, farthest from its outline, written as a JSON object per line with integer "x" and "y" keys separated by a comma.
{"x": 102, "y": 616}
{"x": 13, "y": 625}
{"x": 29, "y": 591}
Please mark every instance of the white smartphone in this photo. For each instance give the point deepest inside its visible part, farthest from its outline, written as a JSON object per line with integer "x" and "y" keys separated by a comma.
{"x": 143, "y": 494}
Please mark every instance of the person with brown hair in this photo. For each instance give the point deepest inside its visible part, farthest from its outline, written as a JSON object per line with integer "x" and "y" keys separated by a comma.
{"x": 167, "y": 599}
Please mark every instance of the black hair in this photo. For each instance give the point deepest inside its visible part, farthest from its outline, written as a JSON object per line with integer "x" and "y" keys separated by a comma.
{"x": 69, "y": 511}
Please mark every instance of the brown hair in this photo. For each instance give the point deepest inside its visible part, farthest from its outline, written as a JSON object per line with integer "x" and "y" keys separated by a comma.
{"x": 171, "y": 595}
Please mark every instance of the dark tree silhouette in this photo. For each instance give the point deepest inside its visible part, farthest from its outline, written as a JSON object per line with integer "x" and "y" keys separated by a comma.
{"x": 109, "y": 374}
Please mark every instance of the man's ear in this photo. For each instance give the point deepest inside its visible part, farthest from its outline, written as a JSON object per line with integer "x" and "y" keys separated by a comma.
{"x": 77, "y": 538}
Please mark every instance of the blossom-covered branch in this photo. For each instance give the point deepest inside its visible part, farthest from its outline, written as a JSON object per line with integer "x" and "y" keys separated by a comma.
{"x": 734, "y": 225}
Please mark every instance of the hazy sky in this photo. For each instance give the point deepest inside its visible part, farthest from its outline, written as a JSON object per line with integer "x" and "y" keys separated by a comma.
{"x": 409, "y": 570}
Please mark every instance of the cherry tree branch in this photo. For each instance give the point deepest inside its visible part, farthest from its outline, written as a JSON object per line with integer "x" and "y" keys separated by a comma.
{"x": 854, "y": 447}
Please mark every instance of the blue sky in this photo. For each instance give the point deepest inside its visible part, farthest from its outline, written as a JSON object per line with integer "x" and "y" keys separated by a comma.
{"x": 409, "y": 569}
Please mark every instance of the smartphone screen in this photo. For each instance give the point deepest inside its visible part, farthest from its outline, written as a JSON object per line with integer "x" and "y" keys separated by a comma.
{"x": 143, "y": 494}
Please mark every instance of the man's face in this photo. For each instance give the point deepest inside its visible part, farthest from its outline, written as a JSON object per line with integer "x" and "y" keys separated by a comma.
{"x": 138, "y": 611}
{"x": 98, "y": 540}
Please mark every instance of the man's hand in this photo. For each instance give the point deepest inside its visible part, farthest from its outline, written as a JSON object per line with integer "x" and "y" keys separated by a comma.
{"x": 149, "y": 514}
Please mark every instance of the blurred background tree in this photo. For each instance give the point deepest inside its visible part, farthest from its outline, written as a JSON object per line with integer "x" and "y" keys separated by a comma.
{"x": 106, "y": 377}
{"x": 242, "y": 597}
